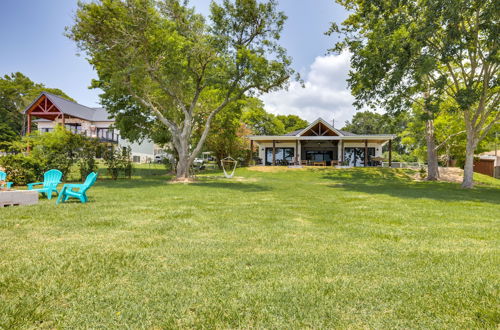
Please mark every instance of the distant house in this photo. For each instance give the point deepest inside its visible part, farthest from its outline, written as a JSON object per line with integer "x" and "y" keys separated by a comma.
{"x": 322, "y": 144}
{"x": 488, "y": 163}
{"x": 48, "y": 110}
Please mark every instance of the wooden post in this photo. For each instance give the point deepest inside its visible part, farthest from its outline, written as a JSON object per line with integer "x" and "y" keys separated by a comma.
{"x": 390, "y": 153}
{"x": 28, "y": 148}
{"x": 63, "y": 121}
{"x": 366, "y": 153}
{"x": 251, "y": 153}
{"x": 274, "y": 153}
{"x": 296, "y": 152}
{"x": 29, "y": 123}
{"x": 341, "y": 156}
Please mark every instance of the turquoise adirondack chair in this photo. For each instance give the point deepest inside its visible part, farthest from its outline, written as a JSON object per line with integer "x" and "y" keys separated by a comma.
{"x": 3, "y": 177}
{"x": 51, "y": 179}
{"x": 68, "y": 192}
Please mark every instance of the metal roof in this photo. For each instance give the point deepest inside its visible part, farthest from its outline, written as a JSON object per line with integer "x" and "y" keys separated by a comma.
{"x": 294, "y": 132}
{"x": 75, "y": 109}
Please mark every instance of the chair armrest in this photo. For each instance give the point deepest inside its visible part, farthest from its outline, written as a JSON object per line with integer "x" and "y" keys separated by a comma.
{"x": 30, "y": 185}
{"x": 73, "y": 185}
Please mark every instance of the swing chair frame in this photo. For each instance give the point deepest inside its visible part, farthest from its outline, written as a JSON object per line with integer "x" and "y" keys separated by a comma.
{"x": 228, "y": 159}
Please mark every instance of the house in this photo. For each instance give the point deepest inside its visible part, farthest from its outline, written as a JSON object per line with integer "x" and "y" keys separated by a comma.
{"x": 48, "y": 110}
{"x": 488, "y": 163}
{"x": 322, "y": 144}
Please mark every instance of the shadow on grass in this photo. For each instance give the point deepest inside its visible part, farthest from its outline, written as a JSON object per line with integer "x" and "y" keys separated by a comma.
{"x": 398, "y": 183}
{"x": 133, "y": 183}
{"x": 244, "y": 187}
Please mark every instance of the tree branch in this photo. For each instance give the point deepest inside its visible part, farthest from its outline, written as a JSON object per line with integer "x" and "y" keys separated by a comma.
{"x": 449, "y": 137}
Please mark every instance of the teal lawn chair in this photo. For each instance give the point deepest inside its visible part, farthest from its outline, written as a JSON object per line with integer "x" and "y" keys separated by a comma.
{"x": 3, "y": 177}
{"x": 51, "y": 179}
{"x": 68, "y": 192}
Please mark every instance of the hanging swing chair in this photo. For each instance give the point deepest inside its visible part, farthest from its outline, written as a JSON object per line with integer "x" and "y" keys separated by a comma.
{"x": 226, "y": 164}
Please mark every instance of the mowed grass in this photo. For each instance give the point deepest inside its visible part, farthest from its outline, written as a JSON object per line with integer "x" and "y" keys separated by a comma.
{"x": 358, "y": 248}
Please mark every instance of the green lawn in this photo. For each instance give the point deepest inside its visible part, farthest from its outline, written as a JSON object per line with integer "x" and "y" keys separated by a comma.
{"x": 307, "y": 248}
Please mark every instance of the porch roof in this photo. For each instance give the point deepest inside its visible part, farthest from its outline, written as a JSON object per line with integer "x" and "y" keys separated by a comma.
{"x": 333, "y": 135}
{"x": 380, "y": 138}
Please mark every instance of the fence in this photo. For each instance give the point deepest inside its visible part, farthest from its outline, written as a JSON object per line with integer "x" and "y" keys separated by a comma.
{"x": 412, "y": 165}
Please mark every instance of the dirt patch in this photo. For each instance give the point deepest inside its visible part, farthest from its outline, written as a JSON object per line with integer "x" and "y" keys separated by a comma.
{"x": 448, "y": 174}
{"x": 218, "y": 177}
{"x": 275, "y": 169}
{"x": 182, "y": 180}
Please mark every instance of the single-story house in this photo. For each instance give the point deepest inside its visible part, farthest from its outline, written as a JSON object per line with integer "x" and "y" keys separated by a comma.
{"x": 322, "y": 144}
{"x": 50, "y": 110}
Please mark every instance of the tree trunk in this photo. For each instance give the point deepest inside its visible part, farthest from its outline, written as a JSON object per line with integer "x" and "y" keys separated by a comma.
{"x": 432, "y": 159}
{"x": 183, "y": 168}
{"x": 183, "y": 165}
{"x": 470, "y": 148}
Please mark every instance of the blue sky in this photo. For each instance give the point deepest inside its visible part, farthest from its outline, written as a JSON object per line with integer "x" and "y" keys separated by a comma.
{"x": 33, "y": 42}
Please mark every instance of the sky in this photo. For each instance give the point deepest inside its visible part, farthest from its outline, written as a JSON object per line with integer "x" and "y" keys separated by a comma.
{"x": 32, "y": 42}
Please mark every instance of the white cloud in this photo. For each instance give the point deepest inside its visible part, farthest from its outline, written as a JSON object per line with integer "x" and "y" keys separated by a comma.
{"x": 325, "y": 93}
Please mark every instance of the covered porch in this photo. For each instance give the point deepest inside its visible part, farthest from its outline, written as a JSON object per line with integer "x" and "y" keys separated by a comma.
{"x": 320, "y": 152}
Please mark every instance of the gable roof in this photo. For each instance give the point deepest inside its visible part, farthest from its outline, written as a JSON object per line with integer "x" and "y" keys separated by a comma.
{"x": 323, "y": 122}
{"x": 74, "y": 109}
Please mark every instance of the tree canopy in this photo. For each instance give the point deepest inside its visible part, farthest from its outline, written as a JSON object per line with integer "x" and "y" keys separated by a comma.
{"x": 424, "y": 51}
{"x": 164, "y": 64}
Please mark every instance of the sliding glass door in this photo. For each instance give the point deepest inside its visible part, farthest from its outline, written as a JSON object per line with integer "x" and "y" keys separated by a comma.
{"x": 319, "y": 156}
{"x": 284, "y": 156}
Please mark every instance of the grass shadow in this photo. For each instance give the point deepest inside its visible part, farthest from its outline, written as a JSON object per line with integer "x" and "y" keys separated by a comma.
{"x": 398, "y": 183}
{"x": 241, "y": 186}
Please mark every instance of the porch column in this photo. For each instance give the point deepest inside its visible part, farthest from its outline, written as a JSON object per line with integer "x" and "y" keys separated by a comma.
{"x": 251, "y": 153}
{"x": 299, "y": 156}
{"x": 63, "y": 121}
{"x": 29, "y": 124}
{"x": 28, "y": 148}
{"x": 296, "y": 152}
{"x": 274, "y": 152}
{"x": 341, "y": 152}
{"x": 390, "y": 153}
{"x": 366, "y": 153}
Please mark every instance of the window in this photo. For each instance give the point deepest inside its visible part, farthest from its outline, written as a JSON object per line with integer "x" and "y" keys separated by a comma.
{"x": 356, "y": 156}
{"x": 284, "y": 156}
{"x": 74, "y": 128}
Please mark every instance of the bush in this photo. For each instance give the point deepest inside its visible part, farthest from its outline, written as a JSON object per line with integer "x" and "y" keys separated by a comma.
{"x": 117, "y": 161}
{"x": 22, "y": 169}
{"x": 60, "y": 150}
{"x": 87, "y": 154}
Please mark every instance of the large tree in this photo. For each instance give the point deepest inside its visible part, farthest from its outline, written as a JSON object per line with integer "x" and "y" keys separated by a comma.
{"x": 369, "y": 122}
{"x": 292, "y": 122}
{"x": 259, "y": 121}
{"x": 16, "y": 92}
{"x": 423, "y": 51}
{"x": 159, "y": 60}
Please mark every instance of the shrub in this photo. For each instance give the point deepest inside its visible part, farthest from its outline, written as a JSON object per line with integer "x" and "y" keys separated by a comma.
{"x": 60, "y": 150}
{"x": 22, "y": 169}
{"x": 117, "y": 161}
{"x": 87, "y": 154}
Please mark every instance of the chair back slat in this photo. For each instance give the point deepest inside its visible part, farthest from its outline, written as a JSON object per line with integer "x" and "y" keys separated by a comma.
{"x": 89, "y": 181}
{"x": 3, "y": 176}
{"x": 52, "y": 178}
